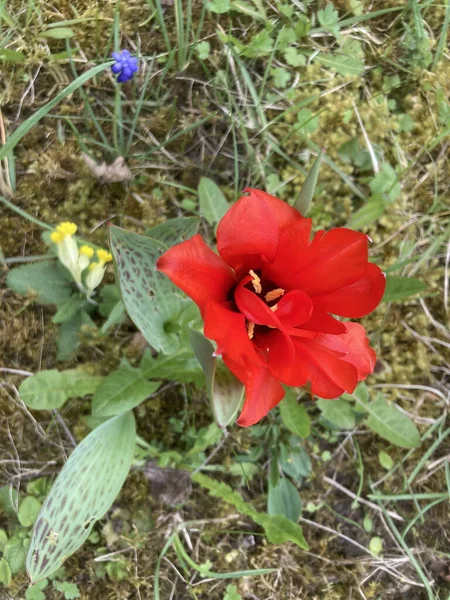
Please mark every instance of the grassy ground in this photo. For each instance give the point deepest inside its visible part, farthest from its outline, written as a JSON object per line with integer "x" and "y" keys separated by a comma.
{"x": 244, "y": 96}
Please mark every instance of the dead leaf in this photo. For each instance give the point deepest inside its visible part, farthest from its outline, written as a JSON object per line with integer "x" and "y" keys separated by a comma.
{"x": 113, "y": 173}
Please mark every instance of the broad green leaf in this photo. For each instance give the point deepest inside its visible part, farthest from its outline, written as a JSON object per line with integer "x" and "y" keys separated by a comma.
{"x": 70, "y": 332}
{"x": 15, "y": 553}
{"x": 231, "y": 593}
{"x": 386, "y": 461}
{"x": 3, "y": 539}
{"x": 34, "y": 592}
{"x": 391, "y": 424}
{"x": 213, "y": 204}
{"x": 5, "y": 573}
{"x": 306, "y": 195}
{"x": 151, "y": 299}
{"x": 28, "y": 511}
{"x": 58, "y": 33}
{"x": 295, "y": 462}
{"x": 342, "y": 64}
{"x": 82, "y": 493}
{"x": 400, "y": 288}
{"x": 116, "y": 317}
{"x": 339, "y": 412}
{"x": 294, "y": 415}
{"x": 50, "y": 389}
{"x": 284, "y": 499}
{"x": 70, "y": 590}
{"x": 278, "y": 528}
{"x": 225, "y": 391}
{"x": 182, "y": 366}
{"x": 174, "y": 231}
{"x": 219, "y": 6}
{"x": 46, "y": 279}
{"x": 120, "y": 391}
{"x": 367, "y": 214}
{"x": 68, "y": 309}
{"x": 11, "y": 56}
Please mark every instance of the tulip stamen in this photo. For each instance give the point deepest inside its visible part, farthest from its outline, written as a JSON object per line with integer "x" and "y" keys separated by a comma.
{"x": 274, "y": 308}
{"x": 274, "y": 294}
{"x": 256, "y": 281}
{"x": 250, "y": 329}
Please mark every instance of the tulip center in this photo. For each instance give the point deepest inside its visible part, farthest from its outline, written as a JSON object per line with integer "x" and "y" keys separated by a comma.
{"x": 264, "y": 298}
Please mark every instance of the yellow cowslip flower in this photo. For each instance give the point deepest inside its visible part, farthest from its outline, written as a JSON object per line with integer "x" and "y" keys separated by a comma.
{"x": 86, "y": 253}
{"x": 67, "y": 228}
{"x": 104, "y": 256}
{"x": 67, "y": 248}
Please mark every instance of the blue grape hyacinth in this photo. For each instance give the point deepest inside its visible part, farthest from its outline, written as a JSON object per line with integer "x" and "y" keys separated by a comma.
{"x": 125, "y": 65}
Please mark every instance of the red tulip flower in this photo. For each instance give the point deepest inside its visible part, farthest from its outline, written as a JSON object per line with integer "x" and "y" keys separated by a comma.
{"x": 268, "y": 299}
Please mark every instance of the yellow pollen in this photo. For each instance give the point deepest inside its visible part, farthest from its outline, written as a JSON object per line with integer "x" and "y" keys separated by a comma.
{"x": 56, "y": 237}
{"x": 104, "y": 255}
{"x": 250, "y": 329}
{"x": 67, "y": 228}
{"x": 274, "y": 294}
{"x": 87, "y": 251}
{"x": 274, "y": 308}
{"x": 256, "y": 282}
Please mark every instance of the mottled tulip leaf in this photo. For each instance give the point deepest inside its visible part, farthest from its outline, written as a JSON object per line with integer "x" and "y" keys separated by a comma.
{"x": 82, "y": 493}
{"x": 121, "y": 391}
{"x": 306, "y": 195}
{"x": 151, "y": 299}
{"x": 213, "y": 204}
{"x": 174, "y": 231}
{"x": 225, "y": 391}
{"x": 50, "y": 389}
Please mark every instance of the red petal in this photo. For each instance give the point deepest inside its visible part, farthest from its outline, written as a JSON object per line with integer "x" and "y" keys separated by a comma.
{"x": 329, "y": 375}
{"x": 355, "y": 346}
{"x": 249, "y": 232}
{"x": 335, "y": 260}
{"x": 322, "y": 322}
{"x": 293, "y": 246}
{"x": 358, "y": 299}
{"x": 197, "y": 270}
{"x": 228, "y": 329}
{"x": 294, "y": 308}
{"x": 262, "y": 391}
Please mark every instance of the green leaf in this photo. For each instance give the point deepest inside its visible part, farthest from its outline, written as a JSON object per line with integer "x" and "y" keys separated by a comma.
{"x": 294, "y": 415}
{"x": 174, "y": 231}
{"x": 219, "y": 6}
{"x": 339, "y": 412}
{"x": 231, "y": 593}
{"x": 34, "y": 592}
{"x": 307, "y": 122}
{"x": 294, "y": 58}
{"x": 329, "y": 19}
{"x": 15, "y": 553}
{"x": 367, "y": 214}
{"x": 213, "y": 204}
{"x": 116, "y": 317}
{"x": 50, "y": 389}
{"x": 225, "y": 391}
{"x": 68, "y": 309}
{"x": 46, "y": 279}
{"x": 391, "y": 424}
{"x": 120, "y": 391}
{"x": 245, "y": 8}
{"x": 3, "y": 539}
{"x": 11, "y": 56}
{"x": 5, "y": 573}
{"x": 70, "y": 590}
{"x": 386, "y": 461}
{"x": 82, "y": 493}
{"x": 400, "y": 288}
{"x": 281, "y": 77}
{"x": 151, "y": 299}
{"x": 28, "y": 511}
{"x": 306, "y": 195}
{"x": 342, "y": 64}
{"x": 58, "y": 33}
{"x": 278, "y": 528}
{"x": 182, "y": 366}
{"x": 69, "y": 334}
{"x": 376, "y": 545}
{"x": 295, "y": 462}
{"x": 203, "y": 49}
{"x": 284, "y": 499}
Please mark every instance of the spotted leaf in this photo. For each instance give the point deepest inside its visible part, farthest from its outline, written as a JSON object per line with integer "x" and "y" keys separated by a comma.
{"x": 82, "y": 493}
